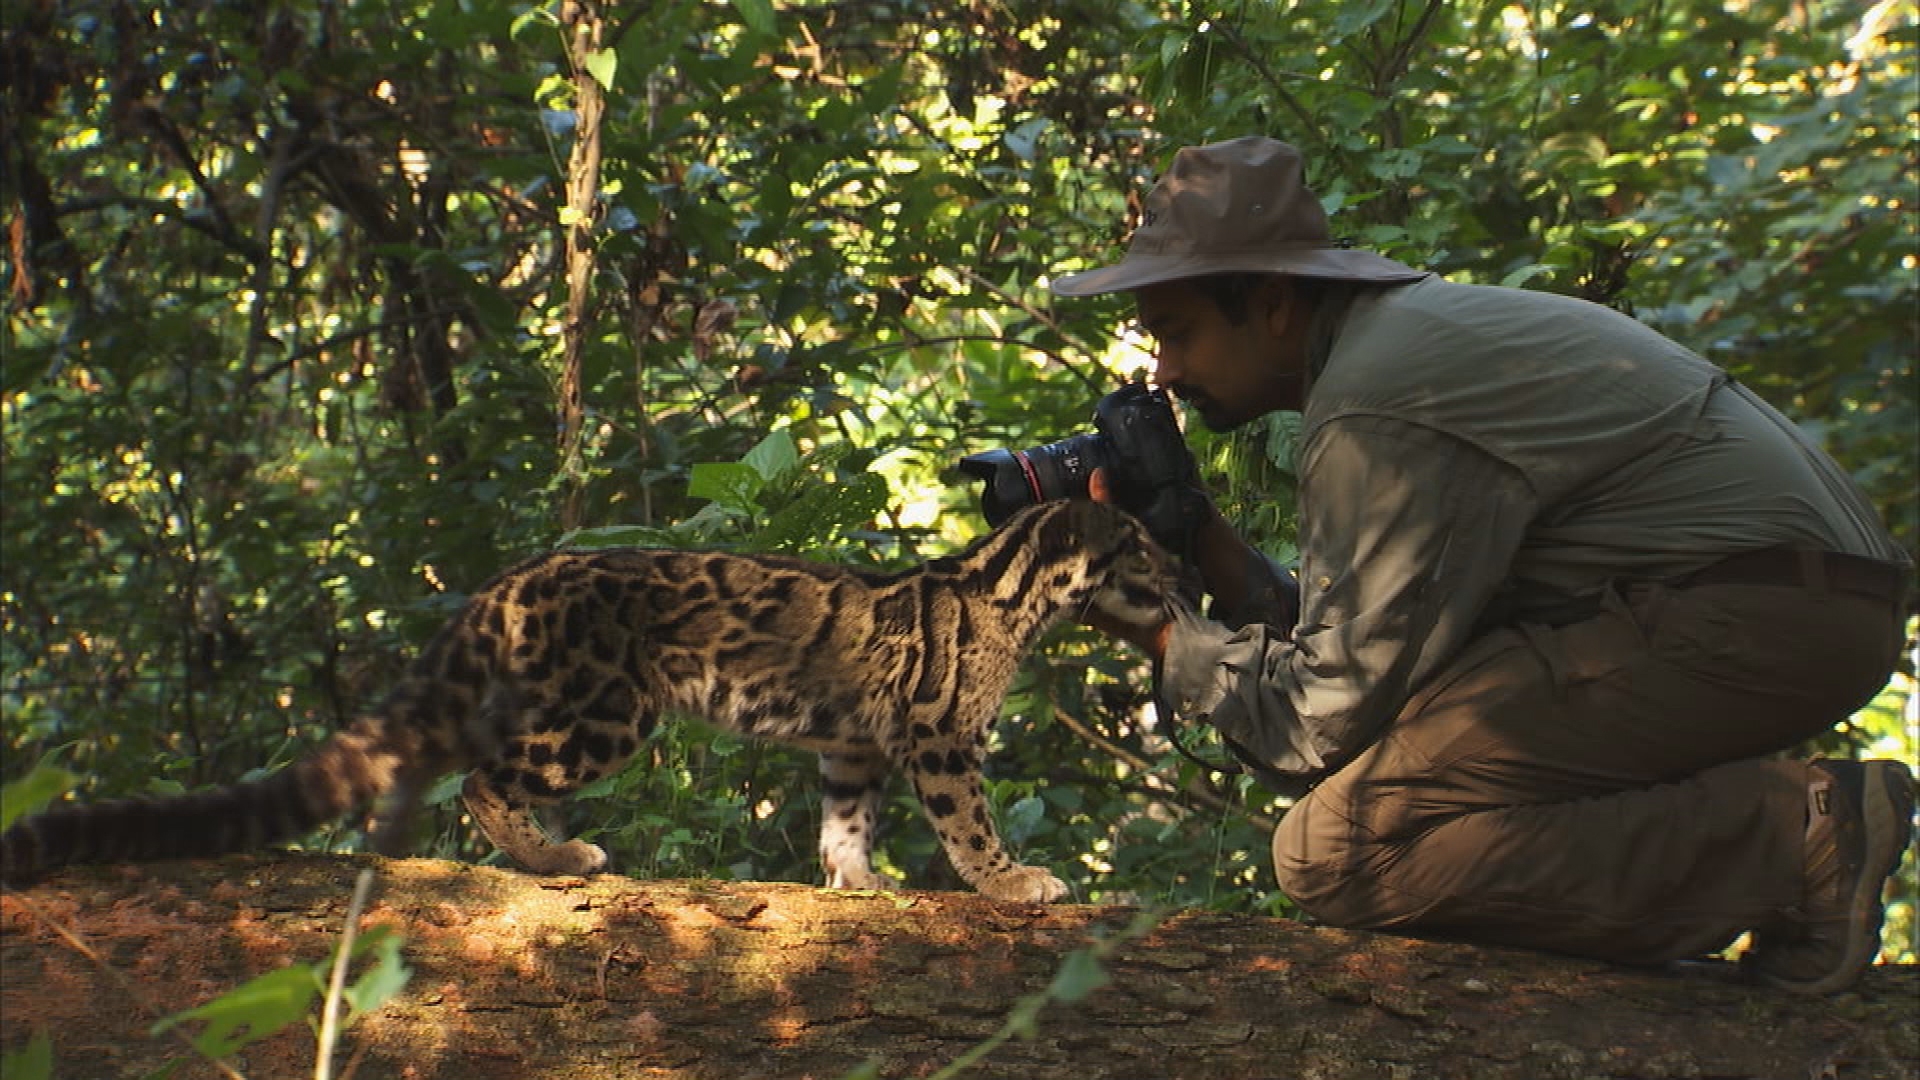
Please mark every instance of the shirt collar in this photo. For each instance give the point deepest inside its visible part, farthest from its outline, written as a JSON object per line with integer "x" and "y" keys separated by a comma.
{"x": 1328, "y": 317}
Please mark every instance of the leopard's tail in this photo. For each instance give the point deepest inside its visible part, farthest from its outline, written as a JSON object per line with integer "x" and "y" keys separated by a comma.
{"x": 346, "y": 773}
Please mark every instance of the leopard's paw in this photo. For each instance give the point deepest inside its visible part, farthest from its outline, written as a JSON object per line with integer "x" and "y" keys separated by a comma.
{"x": 575, "y": 858}
{"x": 857, "y": 877}
{"x": 1024, "y": 885}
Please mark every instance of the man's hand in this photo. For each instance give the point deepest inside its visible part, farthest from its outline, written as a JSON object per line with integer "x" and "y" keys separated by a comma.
{"x": 1151, "y": 641}
{"x": 1243, "y": 583}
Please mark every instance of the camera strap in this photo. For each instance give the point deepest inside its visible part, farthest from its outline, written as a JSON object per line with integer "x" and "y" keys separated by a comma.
{"x": 1229, "y": 767}
{"x": 1171, "y": 717}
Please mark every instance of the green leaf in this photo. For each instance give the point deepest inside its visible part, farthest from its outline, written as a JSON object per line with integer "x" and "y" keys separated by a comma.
{"x": 1521, "y": 275}
{"x": 1022, "y": 818}
{"x": 618, "y": 536}
{"x": 601, "y": 66}
{"x": 821, "y": 511}
{"x": 166, "y": 1070}
{"x": 732, "y": 484}
{"x": 757, "y": 14}
{"x": 444, "y": 790}
{"x": 250, "y": 1012}
{"x": 1079, "y": 976}
{"x": 33, "y": 791}
{"x": 529, "y": 17}
{"x": 386, "y": 978}
{"x": 33, "y": 1061}
{"x": 1355, "y": 17}
{"x": 774, "y": 456}
{"x": 1283, "y": 440}
{"x": 1024, "y": 141}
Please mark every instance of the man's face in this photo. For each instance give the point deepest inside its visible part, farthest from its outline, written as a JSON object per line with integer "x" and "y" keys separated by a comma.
{"x": 1230, "y": 373}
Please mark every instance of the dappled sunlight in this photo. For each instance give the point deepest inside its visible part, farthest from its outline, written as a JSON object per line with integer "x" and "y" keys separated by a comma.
{"x": 306, "y": 341}
{"x": 693, "y": 978}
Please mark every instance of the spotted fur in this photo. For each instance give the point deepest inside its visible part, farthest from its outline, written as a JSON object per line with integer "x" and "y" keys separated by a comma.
{"x": 555, "y": 671}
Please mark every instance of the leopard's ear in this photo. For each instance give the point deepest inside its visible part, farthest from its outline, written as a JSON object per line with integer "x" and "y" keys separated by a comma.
{"x": 1114, "y": 528}
{"x": 1103, "y": 526}
{"x": 1062, "y": 525}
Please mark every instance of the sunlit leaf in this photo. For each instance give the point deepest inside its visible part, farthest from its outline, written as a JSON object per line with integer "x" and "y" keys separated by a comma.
{"x": 731, "y": 484}
{"x": 387, "y": 977}
{"x": 32, "y": 1061}
{"x": 757, "y": 14}
{"x": 255, "y": 1010}
{"x": 601, "y": 64}
{"x": 33, "y": 792}
{"x": 774, "y": 456}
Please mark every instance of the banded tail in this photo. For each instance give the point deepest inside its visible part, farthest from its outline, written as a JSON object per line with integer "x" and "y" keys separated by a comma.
{"x": 344, "y": 774}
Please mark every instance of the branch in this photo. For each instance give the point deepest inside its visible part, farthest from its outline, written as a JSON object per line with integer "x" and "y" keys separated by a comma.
{"x": 1309, "y": 123}
{"x": 223, "y": 226}
{"x": 201, "y": 223}
{"x": 285, "y": 161}
{"x": 1041, "y": 316}
{"x": 334, "y": 341}
{"x": 1188, "y": 788}
{"x": 1402, "y": 57}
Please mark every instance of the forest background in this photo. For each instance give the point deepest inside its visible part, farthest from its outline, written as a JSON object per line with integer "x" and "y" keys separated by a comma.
{"x": 319, "y": 313}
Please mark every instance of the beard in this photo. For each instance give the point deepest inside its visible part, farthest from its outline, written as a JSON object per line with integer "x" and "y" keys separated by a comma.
{"x": 1221, "y": 417}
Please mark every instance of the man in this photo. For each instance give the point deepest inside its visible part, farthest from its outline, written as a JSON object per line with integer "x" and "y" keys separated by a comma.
{"x": 1564, "y": 589}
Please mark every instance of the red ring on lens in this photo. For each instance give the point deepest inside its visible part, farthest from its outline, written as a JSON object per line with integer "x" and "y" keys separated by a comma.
{"x": 1026, "y": 468}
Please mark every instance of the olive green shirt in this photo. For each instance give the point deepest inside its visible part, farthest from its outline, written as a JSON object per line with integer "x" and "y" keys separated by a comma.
{"x": 1463, "y": 443}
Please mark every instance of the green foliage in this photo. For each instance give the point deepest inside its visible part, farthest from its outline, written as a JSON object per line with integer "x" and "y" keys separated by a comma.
{"x": 269, "y": 1003}
{"x": 255, "y": 1010}
{"x": 32, "y": 792}
{"x": 284, "y": 355}
{"x": 1079, "y": 975}
{"x": 34, "y": 1061}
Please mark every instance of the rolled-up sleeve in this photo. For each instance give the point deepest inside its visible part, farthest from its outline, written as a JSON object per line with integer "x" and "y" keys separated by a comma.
{"x": 1406, "y": 533}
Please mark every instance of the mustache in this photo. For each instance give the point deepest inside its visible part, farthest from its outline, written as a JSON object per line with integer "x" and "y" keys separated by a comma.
{"x": 1188, "y": 393}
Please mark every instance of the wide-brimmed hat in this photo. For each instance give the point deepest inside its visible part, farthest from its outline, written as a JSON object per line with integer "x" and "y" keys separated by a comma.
{"x": 1233, "y": 207}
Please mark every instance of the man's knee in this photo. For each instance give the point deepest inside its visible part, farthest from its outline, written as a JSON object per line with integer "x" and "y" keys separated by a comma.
{"x": 1316, "y": 854}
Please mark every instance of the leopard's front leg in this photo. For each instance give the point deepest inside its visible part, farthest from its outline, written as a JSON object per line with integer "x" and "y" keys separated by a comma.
{"x": 946, "y": 776}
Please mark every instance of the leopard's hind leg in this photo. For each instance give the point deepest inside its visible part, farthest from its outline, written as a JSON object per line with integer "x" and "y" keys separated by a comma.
{"x": 550, "y": 752}
{"x": 853, "y": 783}
{"x": 503, "y": 812}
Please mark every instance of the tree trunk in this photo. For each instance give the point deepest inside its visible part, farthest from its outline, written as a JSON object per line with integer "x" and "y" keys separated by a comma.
{"x": 517, "y": 976}
{"x": 585, "y": 31}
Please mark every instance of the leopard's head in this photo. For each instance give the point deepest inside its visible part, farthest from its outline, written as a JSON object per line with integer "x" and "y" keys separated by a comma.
{"x": 1134, "y": 579}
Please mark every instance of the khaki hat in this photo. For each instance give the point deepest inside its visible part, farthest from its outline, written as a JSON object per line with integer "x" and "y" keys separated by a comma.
{"x": 1233, "y": 207}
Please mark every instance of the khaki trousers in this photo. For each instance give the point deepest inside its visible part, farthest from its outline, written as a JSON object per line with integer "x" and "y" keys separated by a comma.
{"x": 1603, "y": 788}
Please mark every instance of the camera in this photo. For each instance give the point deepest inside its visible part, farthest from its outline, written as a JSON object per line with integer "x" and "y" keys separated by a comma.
{"x": 1135, "y": 438}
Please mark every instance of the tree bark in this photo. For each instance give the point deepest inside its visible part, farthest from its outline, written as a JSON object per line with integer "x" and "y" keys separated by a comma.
{"x": 517, "y": 976}
{"x": 585, "y": 29}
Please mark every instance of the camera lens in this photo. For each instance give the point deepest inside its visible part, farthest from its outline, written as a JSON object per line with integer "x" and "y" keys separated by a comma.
{"x": 1007, "y": 487}
{"x": 1017, "y": 478}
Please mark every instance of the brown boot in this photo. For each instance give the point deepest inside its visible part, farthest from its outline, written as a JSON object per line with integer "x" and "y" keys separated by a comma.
{"x": 1859, "y": 818}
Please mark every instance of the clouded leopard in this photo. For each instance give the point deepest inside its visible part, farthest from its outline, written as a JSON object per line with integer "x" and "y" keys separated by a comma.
{"x": 555, "y": 670}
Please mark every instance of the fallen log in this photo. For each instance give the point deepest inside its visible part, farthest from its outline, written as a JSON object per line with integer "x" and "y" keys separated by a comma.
{"x": 516, "y": 976}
